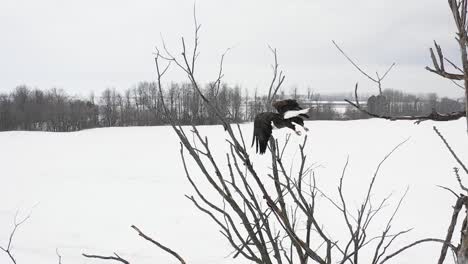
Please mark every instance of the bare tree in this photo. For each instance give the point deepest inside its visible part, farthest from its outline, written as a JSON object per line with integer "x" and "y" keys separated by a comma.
{"x": 270, "y": 216}
{"x": 254, "y": 204}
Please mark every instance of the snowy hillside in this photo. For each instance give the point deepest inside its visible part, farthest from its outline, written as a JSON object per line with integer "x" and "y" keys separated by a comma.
{"x": 85, "y": 189}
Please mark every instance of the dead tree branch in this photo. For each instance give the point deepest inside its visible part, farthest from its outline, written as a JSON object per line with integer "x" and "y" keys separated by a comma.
{"x": 17, "y": 224}
{"x": 277, "y": 80}
{"x": 394, "y": 254}
{"x": 455, "y": 156}
{"x": 459, "y": 13}
{"x": 59, "y": 256}
{"x": 434, "y": 115}
{"x": 168, "y": 250}
{"x": 116, "y": 257}
{"x": 378, "y": 79}
{"x": 461, "y": 201}
{"x": 439, "y": 67}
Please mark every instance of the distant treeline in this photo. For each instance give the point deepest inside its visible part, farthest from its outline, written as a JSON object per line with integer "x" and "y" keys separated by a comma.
{"x": 55, "y": 110}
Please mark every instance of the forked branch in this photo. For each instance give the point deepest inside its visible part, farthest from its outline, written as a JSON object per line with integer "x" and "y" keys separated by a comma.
{"x": 116, "y": 257}
{"x": 378, "y": 79}
{"x": 439, "y": 67}
{"x": 277, "y": 80}
{"x": 449, "y": 148}
{"x": 17, "y": 224}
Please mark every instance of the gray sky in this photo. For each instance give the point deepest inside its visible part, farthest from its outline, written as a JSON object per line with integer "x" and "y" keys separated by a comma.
{"x": 84, "y": 46}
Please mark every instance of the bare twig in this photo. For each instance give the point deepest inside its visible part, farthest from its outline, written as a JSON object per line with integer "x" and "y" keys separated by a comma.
{"x": 353, "y": 63}
{"x": 17, "y": 224}
{"x": 277, "y": 80}
{"x": 450, "y": 149}
{"x": 116, "y": 257}
{"x": 398, "y": 252}
{"x": 377, "y": 80}
{"x": 449, "y": 190}
{"x": 59, "y": 256}
{"x": 439, "y": 68}
{"x": 457, "y": 175}
{"x": 168, "y": 250}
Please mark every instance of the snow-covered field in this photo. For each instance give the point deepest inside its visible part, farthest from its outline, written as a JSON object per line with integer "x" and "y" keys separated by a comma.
{"x": 85, "y": 189}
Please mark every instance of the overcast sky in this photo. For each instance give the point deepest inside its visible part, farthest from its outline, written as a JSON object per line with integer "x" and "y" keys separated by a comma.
{"x": 90, "y": 45}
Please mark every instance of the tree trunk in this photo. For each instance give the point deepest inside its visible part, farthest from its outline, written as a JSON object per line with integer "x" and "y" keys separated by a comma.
{"x": 463, "y": 41}
{"x": 462, "y": 250}
{"x": 466, "y": 102}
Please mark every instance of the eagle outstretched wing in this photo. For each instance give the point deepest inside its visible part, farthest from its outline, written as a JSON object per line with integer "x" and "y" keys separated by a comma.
{"x": 262, "y": 131}
{"x": 284, "y": 106}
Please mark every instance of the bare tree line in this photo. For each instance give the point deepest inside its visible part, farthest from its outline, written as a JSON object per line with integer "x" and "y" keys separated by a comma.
{"x": 55, "y": 110}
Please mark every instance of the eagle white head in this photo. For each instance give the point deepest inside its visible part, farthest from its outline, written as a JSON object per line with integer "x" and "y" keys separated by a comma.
{"x": 293, "y": 113}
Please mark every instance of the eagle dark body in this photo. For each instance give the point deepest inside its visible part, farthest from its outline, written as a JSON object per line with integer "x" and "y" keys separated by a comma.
{"x": 266, "y": 121}
{"x": 263, "y": 128}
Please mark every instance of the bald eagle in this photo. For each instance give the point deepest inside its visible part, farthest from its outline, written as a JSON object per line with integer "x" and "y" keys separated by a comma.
{"x": 289, "y": 115}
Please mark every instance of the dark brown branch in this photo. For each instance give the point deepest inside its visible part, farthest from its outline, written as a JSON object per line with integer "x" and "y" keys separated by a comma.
{"x": 434, "y": 115}
{"x": 458, "y": 85}
{"x": 451, "y": 76}
{"x": 453, "y": 222}
{"x": 161, "y": 246}
{"x": 451, "y": 150}
{"x": 217, "y": 84}
{"x": 356, "y": 98}
{"x": 388, "y": 70}
{"x": 354, "y": 64}
{"x": 449, "y": 190}
{"x": 219, "y": 210}
{"x": 387, "y": 229}
{"x": 17, "y": 224}
{"x": 453, "y": 65}
{"x": 116, "y": 257}
{"x": 396, "y": 253}
{"x": 232, "y": 203}
{"x": 377, "y": 80}
{"x": 457, "y": 175}
{"x": 277, "y": 80}
{"x": 439, "y": 67}
{"x": 59, "y": 256}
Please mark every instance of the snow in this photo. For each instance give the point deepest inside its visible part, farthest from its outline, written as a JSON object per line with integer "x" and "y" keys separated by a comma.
{"x": 85, "y": 189}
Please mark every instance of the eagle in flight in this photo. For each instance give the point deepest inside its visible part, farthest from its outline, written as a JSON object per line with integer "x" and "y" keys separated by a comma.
{"x": 289, "y": 115}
